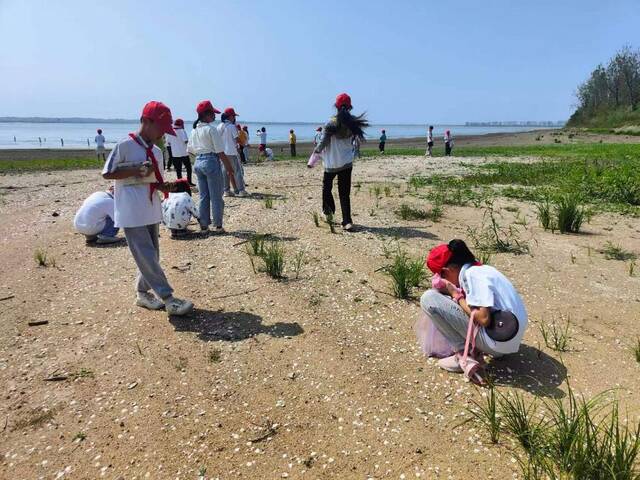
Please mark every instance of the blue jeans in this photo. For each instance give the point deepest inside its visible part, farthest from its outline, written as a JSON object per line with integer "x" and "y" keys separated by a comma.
{"x": 109, "y": 229}
{"x": 211, "y": 186}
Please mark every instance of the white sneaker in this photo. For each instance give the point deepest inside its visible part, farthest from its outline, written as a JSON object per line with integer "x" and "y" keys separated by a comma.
{"x": 229, "y": 194}
{"x": 348, "y": 227}
{"x": 149, "y": 300}
{"x": 450, "y": 364}
{"x": 242, "y": 193}
{"x": 175, "y": 306}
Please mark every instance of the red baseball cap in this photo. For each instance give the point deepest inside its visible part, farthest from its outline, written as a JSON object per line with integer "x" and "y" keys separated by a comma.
{"x": 178, "y": 122}
{"x": 438, "y": 258}
{"x": 160, "y": 114}
{"x": 239, "y": 127}
{"x": 230, "y": 111}
{"x": 206, "y": 106}
{"x": 343, "y": 100}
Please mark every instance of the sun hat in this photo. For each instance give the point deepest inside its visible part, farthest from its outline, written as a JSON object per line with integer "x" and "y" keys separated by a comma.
{"x": 206, "y": 106}
{"x": 159, "y": 113}
{"x": 438, "y": 258}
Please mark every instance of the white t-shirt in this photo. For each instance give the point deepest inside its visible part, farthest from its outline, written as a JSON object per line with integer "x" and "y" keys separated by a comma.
{"x": 178, "y": 143}
{"x": 177, "y": 210}
{"x": 205, "y": 138}
{"x": 100, "y": 140}
{"x": 263, "y": 137}
{"x": 229, "y": 133}
{"x": 133, "y": 208}
{"x": 485, "y": 286}
{"x": 430, "y": 137}
{"x": 91, "y": 217}
{"x": 269, "y": 153}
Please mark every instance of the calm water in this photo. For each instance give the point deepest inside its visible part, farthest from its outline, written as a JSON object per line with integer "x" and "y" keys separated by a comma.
{"x": 76, "y": 135}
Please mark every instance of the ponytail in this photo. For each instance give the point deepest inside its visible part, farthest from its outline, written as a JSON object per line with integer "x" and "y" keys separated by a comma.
{"x": 347, "y": 123}
{"x": 460, "y": 253}
{"x": 195, "y": 124}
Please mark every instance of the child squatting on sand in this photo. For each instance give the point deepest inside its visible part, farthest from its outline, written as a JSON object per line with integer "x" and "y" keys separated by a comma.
{"x": 471, "y": 307}
{"x": 178, "y": 209}
{"x": 133, "y": 164}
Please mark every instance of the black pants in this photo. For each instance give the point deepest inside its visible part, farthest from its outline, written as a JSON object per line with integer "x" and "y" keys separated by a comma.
{"x": 293, "y": 149}
{"x": 178, "y": 162}
{"x": 344, "y": 192}
{"x": 381, "y": 147}
{"x": 170, "y": 161}
{"x": 241, "y": 154}
{"x": 447, "y": 148}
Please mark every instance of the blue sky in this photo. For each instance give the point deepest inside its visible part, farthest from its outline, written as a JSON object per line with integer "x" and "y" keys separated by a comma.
{"x": 417, "y": 61}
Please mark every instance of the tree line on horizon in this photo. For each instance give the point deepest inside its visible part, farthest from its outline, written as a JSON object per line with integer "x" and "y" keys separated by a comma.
{"x": 611, "y": 95}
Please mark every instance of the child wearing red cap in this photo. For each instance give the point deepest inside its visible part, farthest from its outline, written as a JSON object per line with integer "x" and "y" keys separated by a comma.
{"x": 336, "y": 151}
{"x": 133, "y": 164}
{"x": 178, "y": 209}
{"x": 177, "y": 145}
{"x": 229, "y": 133}
{"x": 469, "y": 297}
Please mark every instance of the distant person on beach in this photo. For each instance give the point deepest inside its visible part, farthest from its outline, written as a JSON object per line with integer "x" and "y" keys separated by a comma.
{"x": 134, "y": 165}
{"x": 292, "y": 142}
{"x": 206, "y": 143}
{"x": 448, "y": 143}
{"x": 178, "y": 146}
{"x": 247, "y": 147}
{"x": 262, "y": 133}
{"x": 317, "y": 138}
{"x": 99, "y": 140}
{"x": 383, "y": 140}
{"x": 470, "y": 301}
{"x": 229, "y": 134}
{"x": 336, "y": 153}
{"x": 94, "y": 219}
{"x": 429, "y": 152}
{"x": 178, "y": 209}
{"x": 242, "y": 141}
{"x": 268, "y": 153}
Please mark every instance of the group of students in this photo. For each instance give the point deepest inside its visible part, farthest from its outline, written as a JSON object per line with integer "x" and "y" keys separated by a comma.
{"x": 448, "y": 142}
{"x": 472, "y": 310}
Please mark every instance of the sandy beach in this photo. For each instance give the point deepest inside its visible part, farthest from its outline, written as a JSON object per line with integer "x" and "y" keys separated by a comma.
{"x": 314, "y": 377}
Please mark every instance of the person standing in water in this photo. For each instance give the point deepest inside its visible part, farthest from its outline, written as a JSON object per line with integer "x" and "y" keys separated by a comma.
{"x": 292, "y": 142}
{"x": 448, "y": 143}
{"x": 429, "y": 152}
{"x": 383, "y": 140}
{"x": 336, "y": 152}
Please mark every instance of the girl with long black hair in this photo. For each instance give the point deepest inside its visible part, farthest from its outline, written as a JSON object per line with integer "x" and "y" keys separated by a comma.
{"x": 336, "y": 152}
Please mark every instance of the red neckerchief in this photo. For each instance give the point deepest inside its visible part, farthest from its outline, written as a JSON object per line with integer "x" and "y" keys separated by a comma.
{"x": 156, "y": 170}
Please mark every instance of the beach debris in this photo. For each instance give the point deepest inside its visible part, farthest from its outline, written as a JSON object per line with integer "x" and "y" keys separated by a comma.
{"x": 8, "y": 297}
{"x": 182, "y": 268}
{"x": 132, "y": 385}
{"x": 37, "y": 323}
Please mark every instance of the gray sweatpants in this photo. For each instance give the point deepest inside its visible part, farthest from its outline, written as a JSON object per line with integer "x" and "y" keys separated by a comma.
{"x": 238, "y": 173}
{"x": 145, "y": 248}
{"x": 450, "y": 320}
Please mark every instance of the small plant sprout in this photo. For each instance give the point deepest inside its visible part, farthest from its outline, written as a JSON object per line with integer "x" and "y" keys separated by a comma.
{"x": 487, "y": 414}
{"x": 405, "y": 273}
{"x": 80, "y": 437}
{"x": 316, "y": 219}
{"x": 387, "y": 191}
{"x": 202, "y": 471}
{"x": 329, "y": 218}
{"x": 268, "y": 202}
{"x": 372, "y": 212}
{"x": 544, "y": 214}
{"x": 407, "y": 212}
{"x": 632, "y": 267}
{"x": 273, "y": 257}
{"x": 256, "y": 241}
{"x": 250, "y": 254}
{"x": 573, "y": 258}
{"x": 299, "y": 262}
{"x": 43, "y": 259}
{"x": 215, "y": 355}
{"x": 556, "y": 337}
{"x": 636, "y": 350}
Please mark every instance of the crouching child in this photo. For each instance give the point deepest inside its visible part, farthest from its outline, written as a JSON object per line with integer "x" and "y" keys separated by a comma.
{"x": 178, "y": 209}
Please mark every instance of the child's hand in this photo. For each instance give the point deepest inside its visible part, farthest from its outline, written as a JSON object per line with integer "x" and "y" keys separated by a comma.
{"x": 144, "y": 170}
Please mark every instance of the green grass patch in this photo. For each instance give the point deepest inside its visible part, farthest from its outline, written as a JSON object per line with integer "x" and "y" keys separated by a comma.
{"x": 405, "y": 273}
{"x": 16, "y": 166}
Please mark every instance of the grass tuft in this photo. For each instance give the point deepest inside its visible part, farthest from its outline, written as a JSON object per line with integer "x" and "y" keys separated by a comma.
{"x": 273, "y": 256}
{"x": 569, "y": 214}
{"x": 43, "y": 259}
{"x": 405, "y": 273}
{"x": 555, "y": 336}
{"x": 268, "y": 202}
{"x": 407, "y": 212}
{"x": 616, "y": 252}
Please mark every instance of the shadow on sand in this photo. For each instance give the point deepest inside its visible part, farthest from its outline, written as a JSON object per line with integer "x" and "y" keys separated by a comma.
{"x": 396, "y": 232}
{"x": 216, "y": 326}
{"x": 530, "y": 369}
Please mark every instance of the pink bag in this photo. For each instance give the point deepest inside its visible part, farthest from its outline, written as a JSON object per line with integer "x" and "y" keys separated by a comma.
{"x": 314, "y": 159}
{"x": 432, "y": 342}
